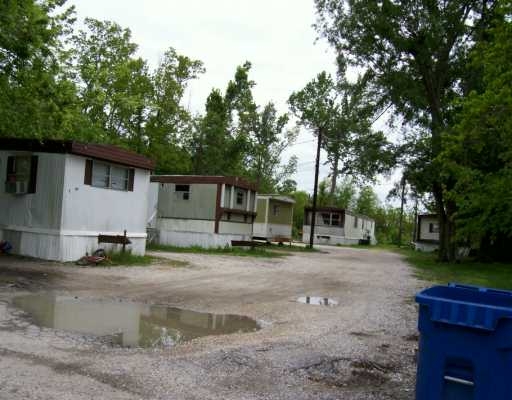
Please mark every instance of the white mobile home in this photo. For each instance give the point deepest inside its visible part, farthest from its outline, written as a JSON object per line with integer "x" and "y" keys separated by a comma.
{"x": 59, "y": 196}
{"x": 338, "y": 226}
{"x": 427, "y": 233}
{"x": 206, "y": 211}
{"x": 274, "y": 217}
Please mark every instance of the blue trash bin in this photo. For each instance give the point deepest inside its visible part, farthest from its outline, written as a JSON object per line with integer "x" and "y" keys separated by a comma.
{"x": 465, "y": 349}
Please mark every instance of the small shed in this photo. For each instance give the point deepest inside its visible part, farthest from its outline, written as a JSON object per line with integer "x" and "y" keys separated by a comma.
{"x": 59, "y": 196}
{"x": 338, "y": 226}
{"x": 427, "y": 233}
{"x": 205, "y": 211}
{"x": 274, "y": 219}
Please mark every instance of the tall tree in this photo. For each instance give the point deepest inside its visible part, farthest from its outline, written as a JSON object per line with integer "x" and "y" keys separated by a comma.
{"x": 415, "y": 48}
{"x": 36, "y": 98}
{"x": 478, "y": 151}
{"x": 266, "y": 145}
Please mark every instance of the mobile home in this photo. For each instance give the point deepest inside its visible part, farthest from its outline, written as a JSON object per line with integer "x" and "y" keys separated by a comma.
{"x": 338, "y": 226}
{"x": 274, "y": 219}
{"x": 205, "y": 211}
{"x": 427, "y": 233}
{"x": 60, "y": 195}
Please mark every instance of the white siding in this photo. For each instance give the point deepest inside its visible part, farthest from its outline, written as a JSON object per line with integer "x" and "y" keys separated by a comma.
{"x": 270, "y": 231}
{"x": 425, "y": 233}
{"x": 88, "y": 208}
{"x": 38, "y": 210}
{"x": 62, "y": 220}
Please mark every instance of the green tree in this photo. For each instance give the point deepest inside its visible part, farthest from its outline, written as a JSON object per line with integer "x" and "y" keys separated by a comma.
{"x": 415, "y": 49}
{"x": 478, "y": 150}
{"x": 340, "y": 113}
{"x": 36, "y": 98}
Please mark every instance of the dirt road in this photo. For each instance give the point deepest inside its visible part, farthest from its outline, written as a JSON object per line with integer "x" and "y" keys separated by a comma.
{"x": 364, "y": 348}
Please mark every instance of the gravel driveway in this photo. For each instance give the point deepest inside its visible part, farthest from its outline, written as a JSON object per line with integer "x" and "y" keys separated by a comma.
{"x": 364, "y": 348}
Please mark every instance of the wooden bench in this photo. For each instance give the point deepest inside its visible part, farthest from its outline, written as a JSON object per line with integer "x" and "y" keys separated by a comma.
{"x": 246, "y": 243}
{"x": 115, "y": 239}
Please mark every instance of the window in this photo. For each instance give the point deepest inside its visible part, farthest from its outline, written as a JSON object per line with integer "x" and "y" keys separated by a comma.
{"x": 356, "y": 221}
{"x": 21, "y": 174}
{"x": 433, "y": 228}
{"x": 182, "y": 192}
{"x": 103, "y": 175}
{"x": 335, "y": 219}
{"x": 326, "y": 218}
{"x": 275, "y": 210}
{"x": 239, "y": 197}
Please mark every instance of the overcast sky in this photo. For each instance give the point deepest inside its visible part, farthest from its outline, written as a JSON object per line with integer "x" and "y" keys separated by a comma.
{"x": 276, "y": 36}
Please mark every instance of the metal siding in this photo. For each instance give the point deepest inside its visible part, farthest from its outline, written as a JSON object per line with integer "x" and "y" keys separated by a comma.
{"x": 39, "y": 210}
{"x": 201, "y": 204}
{"x": 284, "y": 215}
{"x": 88, "y": 208}
{"x": 261, "y": 210}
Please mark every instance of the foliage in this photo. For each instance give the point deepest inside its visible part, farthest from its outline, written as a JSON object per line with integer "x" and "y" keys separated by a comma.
{"x": 229, "y": 251}
{"x": 301, "y": 201}
{"x": 35, "y": 97}
{"x": 234, "y": 137}
{"x": 340, "y": 112}
{"x": 494, "y": 275}
{"x": 415, "y": 51}
{"x": 128, "y": 259}
{"x": 479, "y": 148}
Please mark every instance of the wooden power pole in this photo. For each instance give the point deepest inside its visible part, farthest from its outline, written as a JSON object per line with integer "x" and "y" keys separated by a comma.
{"x": 315, "y": 190}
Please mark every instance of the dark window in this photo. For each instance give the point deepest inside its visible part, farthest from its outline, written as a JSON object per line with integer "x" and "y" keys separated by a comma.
{"x": 182, "y": 192}
{"x": 239, "y": 197}
{"x": 21, "y": 174}
{"x": 326, "y": 218}
{"x": 433, "y": 228}
{"x": 275, "y": 210}
{"x": 356, "y": 221}
{"x": 335, "y": 219}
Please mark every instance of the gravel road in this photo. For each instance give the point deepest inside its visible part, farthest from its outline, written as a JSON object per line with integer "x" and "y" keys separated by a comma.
{"x": 363, "y": 348}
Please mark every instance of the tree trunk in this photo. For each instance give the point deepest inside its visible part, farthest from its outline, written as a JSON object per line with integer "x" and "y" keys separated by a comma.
{"x": 334, "y": 178}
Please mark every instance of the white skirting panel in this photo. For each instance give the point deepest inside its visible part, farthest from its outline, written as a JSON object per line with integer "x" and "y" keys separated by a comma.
{"x": 426, "y": 247}
{"x": 329, "y": 240}
{"x": 270, "y": 231}
{"x": 201, "y": 239}
{"x": 64, "y": 247}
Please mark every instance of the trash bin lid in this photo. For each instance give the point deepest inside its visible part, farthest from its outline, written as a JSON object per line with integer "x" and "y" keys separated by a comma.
{"x": 464, "y": 305}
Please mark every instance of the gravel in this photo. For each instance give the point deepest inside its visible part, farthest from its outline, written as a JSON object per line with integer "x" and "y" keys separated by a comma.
{"x": 363, "y": 348}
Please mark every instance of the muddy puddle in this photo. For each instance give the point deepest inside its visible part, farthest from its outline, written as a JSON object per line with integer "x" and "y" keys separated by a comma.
{"x": 129, "y": 324}
{"x": 317, "y": 301}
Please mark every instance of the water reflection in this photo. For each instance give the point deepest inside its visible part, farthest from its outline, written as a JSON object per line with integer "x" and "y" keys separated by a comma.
{"x": 131, "y": 324}
{"x": 317, "y": 301}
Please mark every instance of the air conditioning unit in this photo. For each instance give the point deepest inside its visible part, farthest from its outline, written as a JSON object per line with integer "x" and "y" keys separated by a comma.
{"x": 21, "y": 187}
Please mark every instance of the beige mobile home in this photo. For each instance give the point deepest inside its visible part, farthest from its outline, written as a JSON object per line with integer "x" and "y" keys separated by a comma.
{"x": 338, "y": 226}
{"x": 427, "y": 233}
{"x": 274, "y": 217}
{"x": 59, "y": 195}
{"x": 206, "y": 211}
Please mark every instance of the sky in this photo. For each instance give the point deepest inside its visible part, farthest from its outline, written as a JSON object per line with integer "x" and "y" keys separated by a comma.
{"x": 276, "y": 36}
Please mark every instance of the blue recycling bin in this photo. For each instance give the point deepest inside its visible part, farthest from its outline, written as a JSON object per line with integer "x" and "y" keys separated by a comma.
{"x": 465, "y": 348}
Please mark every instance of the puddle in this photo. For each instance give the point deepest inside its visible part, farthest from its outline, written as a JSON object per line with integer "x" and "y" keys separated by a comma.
{"x": 317, "y": 301}
{"x": 130, "y": 324}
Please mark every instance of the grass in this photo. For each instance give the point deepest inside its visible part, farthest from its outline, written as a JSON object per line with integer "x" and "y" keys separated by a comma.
{"x": 495, "y": 275}
{"x": 230, "y": 251}
{"x": 128, "y": 260}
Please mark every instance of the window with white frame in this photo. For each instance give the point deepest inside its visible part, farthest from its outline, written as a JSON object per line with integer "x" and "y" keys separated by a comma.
{"x": 182, "y": 192}
{"x": 275, "y": 210}
{"x": 109, "y": 176}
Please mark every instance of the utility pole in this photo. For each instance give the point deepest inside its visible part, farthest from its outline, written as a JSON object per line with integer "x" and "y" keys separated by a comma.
{"x": 402, "y": 201}
{"x": 315, "y": 190}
